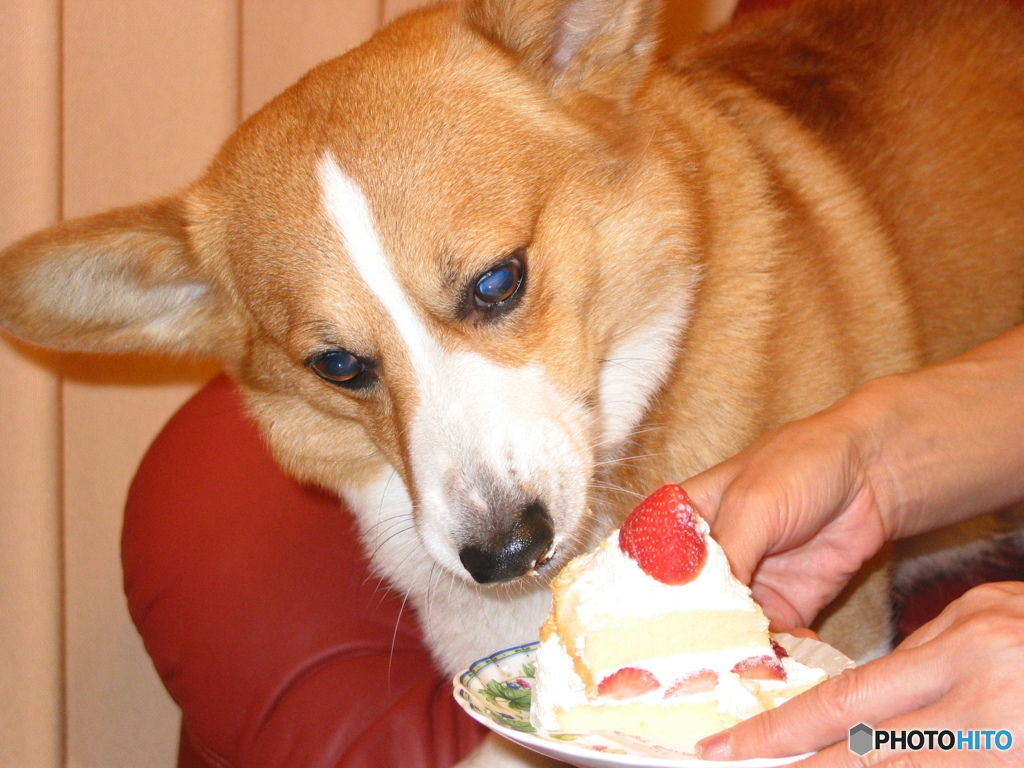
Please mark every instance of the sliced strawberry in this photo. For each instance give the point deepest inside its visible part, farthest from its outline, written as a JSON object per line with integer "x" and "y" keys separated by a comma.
{"x": 697, "y": 682}
{"x": 779, "y": 650}
{"x": 760, "y": 668}
{"x": 628, "y": 683}
{"x": 661, "y": 536}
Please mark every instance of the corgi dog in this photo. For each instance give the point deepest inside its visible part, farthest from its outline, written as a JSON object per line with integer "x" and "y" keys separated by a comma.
{"x": 499, "y": 272}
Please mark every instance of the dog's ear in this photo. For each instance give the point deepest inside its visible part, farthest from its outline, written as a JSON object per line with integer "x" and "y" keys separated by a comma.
{"x": 603, "y": 47}
{"x": 121, "y": 280}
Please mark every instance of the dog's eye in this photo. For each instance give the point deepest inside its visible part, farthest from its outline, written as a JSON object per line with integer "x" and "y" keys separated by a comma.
{"x": 339, "y": 367}
{"x": 499, "y": 284}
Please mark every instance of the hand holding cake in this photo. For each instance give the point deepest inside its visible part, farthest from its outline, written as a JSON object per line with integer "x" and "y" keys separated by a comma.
{"x": 801, "y": 509}
{"x": 951, "y": 674}
{"x": 798, "y": 509}
{"x": 651, "y": 634}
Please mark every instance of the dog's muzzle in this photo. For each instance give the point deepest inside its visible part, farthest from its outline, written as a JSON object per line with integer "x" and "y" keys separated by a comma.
{"x": 514, "y": 552}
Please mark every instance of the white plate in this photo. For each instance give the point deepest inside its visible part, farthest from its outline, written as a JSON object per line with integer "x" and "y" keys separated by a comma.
{"x": 496, "y": 692}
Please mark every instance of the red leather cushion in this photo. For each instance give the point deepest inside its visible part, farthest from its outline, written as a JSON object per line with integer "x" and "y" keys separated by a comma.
{"x": 259, "y": 612}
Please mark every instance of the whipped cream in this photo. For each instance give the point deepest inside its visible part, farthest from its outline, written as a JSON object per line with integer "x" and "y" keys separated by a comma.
{"x": 611, "y": 586}
{"x": 607, "y": 585}
{"x": 556, "y": 686}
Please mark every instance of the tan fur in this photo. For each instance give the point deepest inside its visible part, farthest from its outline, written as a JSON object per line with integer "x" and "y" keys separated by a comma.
{"x": 821, "y": 196}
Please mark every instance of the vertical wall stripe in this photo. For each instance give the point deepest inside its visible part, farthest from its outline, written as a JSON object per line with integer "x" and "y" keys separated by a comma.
{"x": 31, "y": 683}
{"x": 150, "y": 92}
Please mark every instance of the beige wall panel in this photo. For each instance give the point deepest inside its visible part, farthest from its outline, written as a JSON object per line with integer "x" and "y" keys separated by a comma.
{"x": 149, "y": 95}
{"x": 119, "y": 715}
{"x": 150, "y": 91}
{"x": 283, "y": 39}
{"x": 31, "y": 671}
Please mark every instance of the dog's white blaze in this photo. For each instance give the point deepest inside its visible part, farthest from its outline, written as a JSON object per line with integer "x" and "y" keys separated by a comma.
{"x": 350, "y": 211}
{"x": 347, "y": 205}
{"x": 474, "y": 418}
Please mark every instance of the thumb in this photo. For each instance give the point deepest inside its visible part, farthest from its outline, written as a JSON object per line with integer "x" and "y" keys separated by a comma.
{"x": 715, "y": 497}
{"x": 740, "y": 528}
{"x": 782, "y": 614}
{"x": 705, "y": 490}
{"x": 744, "y": 529}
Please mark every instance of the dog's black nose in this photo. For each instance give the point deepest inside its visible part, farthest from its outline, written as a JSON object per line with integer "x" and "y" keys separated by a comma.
{"x": 514, "y": 552}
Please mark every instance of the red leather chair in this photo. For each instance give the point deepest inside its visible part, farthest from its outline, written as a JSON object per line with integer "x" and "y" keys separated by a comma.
{"x": 262, "y": 618}
{"x": 264, "y": 623}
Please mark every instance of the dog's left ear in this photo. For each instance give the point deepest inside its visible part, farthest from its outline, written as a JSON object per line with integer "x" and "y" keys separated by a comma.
{"x": 603, "y": 47}
{"x": 119, "y": 281}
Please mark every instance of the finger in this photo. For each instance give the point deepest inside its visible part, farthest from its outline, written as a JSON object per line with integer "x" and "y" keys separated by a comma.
{"x": 782, "y": 613}
{"x": 901, "y": 682}
{"x": 705, "y": 490}
{"x": 745, "y": 540}
{"x": 931, "y": 630}
{"x": 743, "y": 543}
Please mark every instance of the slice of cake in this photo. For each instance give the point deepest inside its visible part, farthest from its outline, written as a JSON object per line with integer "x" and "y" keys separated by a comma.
{"x": 651, "y": 634}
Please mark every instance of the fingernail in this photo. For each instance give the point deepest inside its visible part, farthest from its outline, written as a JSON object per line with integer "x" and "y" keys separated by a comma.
{"x": 717, "y": 747}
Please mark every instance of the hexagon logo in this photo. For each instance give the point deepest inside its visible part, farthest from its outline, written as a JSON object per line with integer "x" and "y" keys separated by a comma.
{"x": 862, "y": 739}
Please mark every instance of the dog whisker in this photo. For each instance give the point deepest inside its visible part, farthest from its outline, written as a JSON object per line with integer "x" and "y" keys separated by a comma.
{"x": 617, "y": 490}
{"x": 624, "y": 459}
{"x": 381, "y": 544}
{"x": 435, "y": 571}
{"x": 396, "y": 528}
{"x": 394, "y": 640}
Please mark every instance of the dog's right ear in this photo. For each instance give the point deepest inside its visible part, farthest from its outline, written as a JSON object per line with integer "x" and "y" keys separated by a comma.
{"x": 118, "y": 281}
{"x": 603, "y": 47}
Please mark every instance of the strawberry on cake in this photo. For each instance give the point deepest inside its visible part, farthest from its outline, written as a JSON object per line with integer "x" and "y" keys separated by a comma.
{"x": 651, "y": 634}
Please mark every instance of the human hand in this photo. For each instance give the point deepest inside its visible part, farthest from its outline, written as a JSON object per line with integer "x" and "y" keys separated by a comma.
{"x": 960, "y": 671}
{"x": 798, "y": 513}
{"x": 800, "y": 510}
